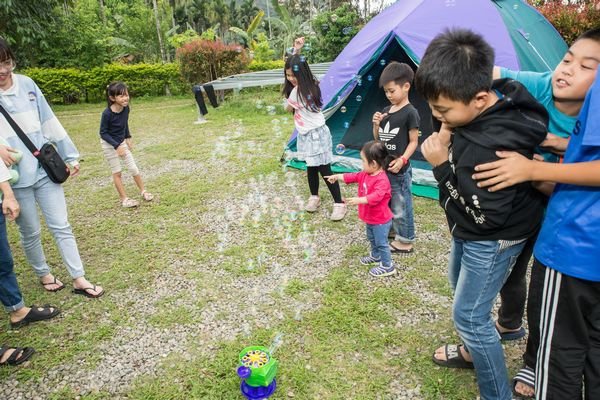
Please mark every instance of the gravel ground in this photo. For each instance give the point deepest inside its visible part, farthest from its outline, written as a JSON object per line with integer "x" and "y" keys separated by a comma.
{"x": 139, "y": 348}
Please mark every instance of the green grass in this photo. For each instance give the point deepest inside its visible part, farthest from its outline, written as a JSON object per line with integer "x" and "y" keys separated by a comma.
{"x": 352, "y": 340}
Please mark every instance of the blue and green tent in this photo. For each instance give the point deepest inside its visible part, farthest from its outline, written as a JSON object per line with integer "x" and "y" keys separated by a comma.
{"x": 521, "y": 37}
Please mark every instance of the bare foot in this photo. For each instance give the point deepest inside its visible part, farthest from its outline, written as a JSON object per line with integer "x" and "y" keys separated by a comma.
{"x": 440, "y": 353}
{"x": 82, "y": 283}
{"x": 51, "y": 283}
{"x": 523, "y": 389}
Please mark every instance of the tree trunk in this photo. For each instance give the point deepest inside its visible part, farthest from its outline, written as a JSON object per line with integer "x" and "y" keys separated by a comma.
{"x": 160, "y": 41}
{"x": 102, "y": 13}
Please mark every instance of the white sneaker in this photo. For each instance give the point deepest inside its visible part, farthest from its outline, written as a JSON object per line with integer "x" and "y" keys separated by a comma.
{"x": 339, "y": 211}
{"x": 312, "y": 204}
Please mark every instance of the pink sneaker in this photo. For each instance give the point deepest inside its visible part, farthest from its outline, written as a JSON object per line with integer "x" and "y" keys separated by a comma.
{"x": 339, "y": 211}
{"x": 312, "y": 204}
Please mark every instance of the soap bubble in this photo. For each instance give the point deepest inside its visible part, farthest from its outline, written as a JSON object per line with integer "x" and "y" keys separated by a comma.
{"x": 325, "y": 27}
{"x": 302, "y": 59}
{"x": 271, "y": 110}
{"x": 277, "y": 342}
{"x": 306, "y": 29}
{"x": 259, "y": 104}
{"x": 340, "y": 148}
{"x": 307, "y": 46}
{"x": 334, "y": 17}
{"x": 369, "y": 78}
{"x": 346, "y": 125}
{"x": 382, "y": 62}
{"x": 281, "y": 2}
{"x": 295, "y": 68}
{"x": 343, "y": 109}
{"x": 358, "y": 98}
{"x": 347, "y": 30}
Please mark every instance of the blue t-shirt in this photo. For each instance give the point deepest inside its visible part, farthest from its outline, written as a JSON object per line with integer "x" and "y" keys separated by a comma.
{"x": 539, "y": 84}
{"x": 569, "y": 241}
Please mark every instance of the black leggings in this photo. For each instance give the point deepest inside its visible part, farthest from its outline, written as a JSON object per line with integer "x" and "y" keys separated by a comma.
{"x": 313, "y": 181}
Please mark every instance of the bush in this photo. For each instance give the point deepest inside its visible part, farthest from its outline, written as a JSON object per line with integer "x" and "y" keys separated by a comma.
{"x": 570, "y": 20}
{"x": 266, "y": 65}
{"x": 206, "y": 60}
{"x": 69, "y": 85}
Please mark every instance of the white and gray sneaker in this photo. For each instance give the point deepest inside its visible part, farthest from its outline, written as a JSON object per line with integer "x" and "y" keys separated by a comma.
{"x": 381, "y": 271}
{"x": 367, "y": 260}
{"x": 312, "y": 204}
{"x": 339, "y": 211}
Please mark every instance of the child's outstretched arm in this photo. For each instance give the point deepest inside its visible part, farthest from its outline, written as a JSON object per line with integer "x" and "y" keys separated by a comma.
{"x": 513, "y": 168}
{"x": 334, "y": 178}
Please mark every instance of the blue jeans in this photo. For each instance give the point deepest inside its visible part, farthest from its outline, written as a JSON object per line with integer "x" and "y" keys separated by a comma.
{"x": 477, "y": 270}
{"x": 50, "y": 197}
{"x": 401, "y": 205}
{"x": 377, "y": 235}
{"x": 10, "y": 295}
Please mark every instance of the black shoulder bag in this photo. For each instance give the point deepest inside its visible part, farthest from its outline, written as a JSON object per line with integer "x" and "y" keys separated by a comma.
{"x": 48, "y": 157}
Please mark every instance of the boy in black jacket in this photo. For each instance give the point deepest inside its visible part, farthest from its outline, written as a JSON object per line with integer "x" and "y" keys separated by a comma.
{"x": 489, "y": 229}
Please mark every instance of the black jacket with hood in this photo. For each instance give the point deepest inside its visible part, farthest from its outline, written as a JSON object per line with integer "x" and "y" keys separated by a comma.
{"x": 515, "y": 122}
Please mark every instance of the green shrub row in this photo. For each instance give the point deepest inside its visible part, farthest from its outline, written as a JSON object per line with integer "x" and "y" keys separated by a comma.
{"x": 69, "y": 85}
{"x": 266, "y": 65}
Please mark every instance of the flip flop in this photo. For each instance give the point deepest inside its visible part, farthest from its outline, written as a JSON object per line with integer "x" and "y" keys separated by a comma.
{"x": 514, "y": 335}
{"x": 454, "y": 358}
{"x": 18, "y": 356}
{"x": 527, "y": 377}
{"x": 395, "y": 249}
{"x": 36, "y": 314}
{"x": 54, "y": 282}
{"x": 85, "y": 292}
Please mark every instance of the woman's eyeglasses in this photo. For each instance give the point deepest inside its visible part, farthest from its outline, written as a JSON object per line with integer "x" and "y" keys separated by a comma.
{"x": 8, "y": 65}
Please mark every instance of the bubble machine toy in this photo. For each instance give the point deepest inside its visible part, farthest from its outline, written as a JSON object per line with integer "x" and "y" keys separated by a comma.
{"x": 257, "y": 368}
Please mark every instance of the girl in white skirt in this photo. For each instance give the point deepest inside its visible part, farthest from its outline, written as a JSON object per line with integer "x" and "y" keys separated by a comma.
{"x": 303, "y": 95}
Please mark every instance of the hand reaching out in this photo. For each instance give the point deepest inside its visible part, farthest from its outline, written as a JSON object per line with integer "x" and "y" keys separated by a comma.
{"x": 333, "y": 178}
{"x": 556, "y": 144}
{"x": 353, "y": 201}
{"x": 512, "y": 168}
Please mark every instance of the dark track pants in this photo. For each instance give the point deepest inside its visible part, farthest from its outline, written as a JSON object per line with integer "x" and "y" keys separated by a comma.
{"x": 569, "y": 349}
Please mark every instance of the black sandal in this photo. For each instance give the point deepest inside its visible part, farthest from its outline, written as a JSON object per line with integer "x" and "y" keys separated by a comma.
{"x": 18, "y": 356}
{"x": 54, "y": 282}
{"x": 37, "y": 314}
{"x": 454, "y": 358}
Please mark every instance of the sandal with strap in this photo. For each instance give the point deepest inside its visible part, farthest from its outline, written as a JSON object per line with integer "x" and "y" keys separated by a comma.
{"x": 18, "y": 356}
{"x": 129, "y": 203}
{"x": 147, "y": 196}
{"x": 61, "y": 286}
{"x": 454, "y": 358}
{"x": 526, "y": 376}
{"x": 85, "y": 292}
{"x": 37, "y": 314}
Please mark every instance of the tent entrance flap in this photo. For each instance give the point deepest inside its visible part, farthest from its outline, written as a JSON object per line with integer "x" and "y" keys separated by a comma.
{"x": 351, "y": 124}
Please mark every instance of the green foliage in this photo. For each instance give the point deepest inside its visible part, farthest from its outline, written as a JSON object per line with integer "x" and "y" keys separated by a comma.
{"x": 334, "y": 31}
{"x": 180, "y": 39}
{"x": 206, "y": 60}
{"x": 24, "y": 24}
{"x": 209, "y": 34}
{"x": 262, "y": 50}
{"x": 571, "y": 20}
{"x": 70, "y": 85}
{"x": 79, "y": 40}
{"x": 266, "y": 65}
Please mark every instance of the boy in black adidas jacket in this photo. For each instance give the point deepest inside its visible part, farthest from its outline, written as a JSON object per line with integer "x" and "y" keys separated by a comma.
{"x": 488, "y": 229}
